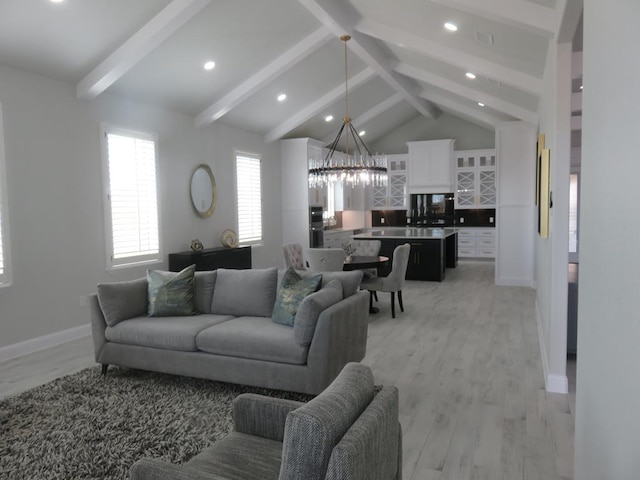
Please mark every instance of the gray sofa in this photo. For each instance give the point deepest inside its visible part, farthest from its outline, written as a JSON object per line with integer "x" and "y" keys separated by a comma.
{"x": 232, "y": 338}
{"x": 348, "y": 432}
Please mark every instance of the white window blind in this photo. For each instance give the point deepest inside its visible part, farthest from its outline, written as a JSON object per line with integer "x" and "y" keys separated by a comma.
{"x": 1, "y": 247}
{"x": 132, "y": 198}
{"x": 249, "y": 199}
{"x": 5, "y": 258}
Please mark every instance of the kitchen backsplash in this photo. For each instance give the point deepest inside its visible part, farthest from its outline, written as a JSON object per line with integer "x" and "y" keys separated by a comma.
{"x": 476, "y": 218}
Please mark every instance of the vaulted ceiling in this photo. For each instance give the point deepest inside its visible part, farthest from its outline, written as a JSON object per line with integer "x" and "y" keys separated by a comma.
{"x": 402, "y": 62}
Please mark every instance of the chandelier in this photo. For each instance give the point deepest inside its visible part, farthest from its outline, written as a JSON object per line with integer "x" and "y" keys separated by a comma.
{"x": 357, "y": 166}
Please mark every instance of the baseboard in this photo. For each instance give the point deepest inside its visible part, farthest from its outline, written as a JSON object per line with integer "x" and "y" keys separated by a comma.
{"x": 42, "y": 343}
{"x": 552, "y": 383}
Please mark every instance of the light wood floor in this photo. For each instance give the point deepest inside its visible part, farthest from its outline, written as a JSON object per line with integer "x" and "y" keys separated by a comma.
{"x": 466, "y": 360}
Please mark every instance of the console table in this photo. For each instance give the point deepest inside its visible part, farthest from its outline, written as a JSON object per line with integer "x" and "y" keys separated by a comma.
{"x": 211, "y": 259}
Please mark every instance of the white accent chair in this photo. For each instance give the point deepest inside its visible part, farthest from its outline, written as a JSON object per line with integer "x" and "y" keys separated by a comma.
{"x": 392, "y": 283}
{"x": 293, "y": 256}
{"x": 326, "y": 259}
{"x": 369, "y": 248}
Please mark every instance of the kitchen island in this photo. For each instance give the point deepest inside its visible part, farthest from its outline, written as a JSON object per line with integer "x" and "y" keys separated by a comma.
{"x": 433, "y": 250}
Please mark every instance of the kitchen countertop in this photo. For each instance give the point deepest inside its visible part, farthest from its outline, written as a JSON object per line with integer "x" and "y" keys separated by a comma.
{"x": 410, "y": 232}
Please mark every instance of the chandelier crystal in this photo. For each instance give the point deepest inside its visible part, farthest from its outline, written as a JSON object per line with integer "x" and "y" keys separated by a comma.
{"x": 356, "y": 166}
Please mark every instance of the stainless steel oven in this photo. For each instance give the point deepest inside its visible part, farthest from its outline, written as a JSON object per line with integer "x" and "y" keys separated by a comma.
{"x": 316, "y": 227}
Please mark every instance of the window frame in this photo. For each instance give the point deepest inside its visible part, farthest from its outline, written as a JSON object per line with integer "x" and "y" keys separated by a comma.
{"x": 134, "y": 261}
{"x": 254, "y": 156}
{"x": 6, "y": 277}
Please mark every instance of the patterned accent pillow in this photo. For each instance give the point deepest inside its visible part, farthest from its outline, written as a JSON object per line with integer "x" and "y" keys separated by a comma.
{"x": 171, "y": 293}
{"x": 292, "y": 291}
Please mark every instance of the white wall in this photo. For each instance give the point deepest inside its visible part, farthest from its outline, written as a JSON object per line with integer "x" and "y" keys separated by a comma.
{"x": 55, "y": 196}
{"x": 467, "y": 135}
{"x": 608, "y": 384}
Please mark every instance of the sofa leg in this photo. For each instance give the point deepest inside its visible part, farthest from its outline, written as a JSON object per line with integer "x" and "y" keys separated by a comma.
{"x": 104, "y": 369}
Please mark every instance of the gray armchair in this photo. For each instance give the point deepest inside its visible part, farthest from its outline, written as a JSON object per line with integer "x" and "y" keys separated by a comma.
{"x": 394, "y": 282}
{"x": 293, "y": 256}
{"x": 348, "y": 432}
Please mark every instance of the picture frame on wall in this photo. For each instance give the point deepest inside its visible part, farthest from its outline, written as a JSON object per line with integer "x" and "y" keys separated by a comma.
{"x": 540, "y": 147}
{"x": 544, "y": 196}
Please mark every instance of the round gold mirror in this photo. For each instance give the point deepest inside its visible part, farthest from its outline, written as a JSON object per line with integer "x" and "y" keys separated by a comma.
{"x": 203, "y": 191}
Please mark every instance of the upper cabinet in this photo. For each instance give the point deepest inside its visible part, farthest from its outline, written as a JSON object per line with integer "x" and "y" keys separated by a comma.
{"x": 431, "y": 166}
{"x": 394, "y": 195}
{"x": 476, "y": 185}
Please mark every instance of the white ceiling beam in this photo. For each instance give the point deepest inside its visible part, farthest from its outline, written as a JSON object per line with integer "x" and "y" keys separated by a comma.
{"x": 317, "y": 106}
{"x": 339, "y": 17}
{"x": 484, "y": 120}
{"x": 258, "y": 80}
{"x": 569, "y": 20}
{"x": 452, "y": 56}
{"x": 522, "y": 14}
{"x": 372, "y": 113}
{"x": 141, "y": 43}
{"x": 468, "y": 92}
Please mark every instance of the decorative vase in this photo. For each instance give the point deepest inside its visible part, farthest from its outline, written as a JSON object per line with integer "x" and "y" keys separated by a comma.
{"x": 196, "y": 245}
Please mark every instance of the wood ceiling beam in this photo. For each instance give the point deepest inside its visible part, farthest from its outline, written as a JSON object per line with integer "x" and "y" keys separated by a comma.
{"x": 484, "y": 120}
{"x": 258, "y": 80}
{"x": 140, "y": 44}
{"x": 452, "y": 56}
{"x": 317, "y": 106}
{"x": 340, "y": 18}
{"x": 468, "y": 92}
{"x": 370, "y": 114}
{"x": 530, "y": 16}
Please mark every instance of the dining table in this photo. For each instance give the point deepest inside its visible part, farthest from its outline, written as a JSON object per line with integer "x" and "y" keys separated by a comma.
{"x": 361, "y": 262}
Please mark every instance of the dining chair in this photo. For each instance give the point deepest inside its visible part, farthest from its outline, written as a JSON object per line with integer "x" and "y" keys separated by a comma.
{"x": 326, "y": 259}
{"x": 392, "y": 283}
{"x": 368, "y": 248}
{"x": 293, "y": 256}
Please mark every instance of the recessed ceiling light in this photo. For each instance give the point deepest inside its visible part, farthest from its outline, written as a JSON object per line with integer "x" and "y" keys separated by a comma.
{"x": 282, "y": 97}
{"x": 209, "y": 65}
{"x": 581, "y": 87}
{"x": 56, "y": 1}
{"x": 481, "y": 104}
{"x": 452, "y": 27}
{"x": 328, "y": 118}
{"x": 470, "y": 75}
{"x": 361, "y": 133}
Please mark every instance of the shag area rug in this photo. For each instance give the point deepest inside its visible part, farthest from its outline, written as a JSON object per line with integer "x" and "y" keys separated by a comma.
{"x": 86, "y": 426}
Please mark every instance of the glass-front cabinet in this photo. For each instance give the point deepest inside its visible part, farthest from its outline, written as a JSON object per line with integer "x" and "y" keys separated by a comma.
{"x": 476, "y": 185}
{"x": 394, "y": 195}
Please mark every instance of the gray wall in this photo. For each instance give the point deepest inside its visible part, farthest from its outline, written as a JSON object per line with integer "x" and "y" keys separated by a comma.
{"x": 467, "y": 135}
{"x": 608, "y": 385}
{"x": 55, "y": 196}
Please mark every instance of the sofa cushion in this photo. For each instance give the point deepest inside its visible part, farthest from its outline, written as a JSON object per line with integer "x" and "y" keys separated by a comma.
{"x": 291, "y": 293}
{"x": 310, "y": 309}
{"x": 171, "y": 293}
{"x": 171, "y": 333}
{"x": 350, "y": 280}
{"x": 122, "y": 300}
{"x": 245, "y": 292}
{"x": 204, "y": 284}
{"x": 253, "y": 337}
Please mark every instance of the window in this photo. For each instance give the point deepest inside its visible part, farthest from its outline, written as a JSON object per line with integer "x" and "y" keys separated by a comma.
{"x": 249, "y": 184}
{"x": 5, "y": 264}
{"x": 131, "y": 198}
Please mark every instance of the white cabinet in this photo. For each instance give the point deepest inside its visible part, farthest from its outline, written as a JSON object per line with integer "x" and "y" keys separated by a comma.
{"x": 431, "y": 166}
{"x": 476, "y": 242}
{"x": 394, "y": 195}
{"x": 476, "y": 185}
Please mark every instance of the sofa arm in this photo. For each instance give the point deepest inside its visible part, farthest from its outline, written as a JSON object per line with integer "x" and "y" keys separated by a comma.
{"x": 262, "y": 416}
{"x": 154, "y": 469}
{"x": 98, "y": 326}
{"x": 340, "y": 338}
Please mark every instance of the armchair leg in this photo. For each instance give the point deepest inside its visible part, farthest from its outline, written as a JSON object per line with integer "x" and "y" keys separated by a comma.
{"x": 370, "y": 300}
{"x": 400, "y": 300}
{"x": 393, "y": 305}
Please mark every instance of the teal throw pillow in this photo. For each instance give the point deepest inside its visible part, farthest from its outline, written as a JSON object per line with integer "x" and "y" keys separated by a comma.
{"x": 170, "y": 293}
{"x": 292, "y": 291}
